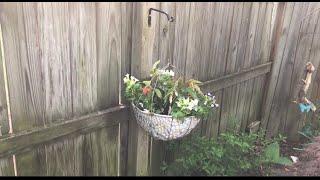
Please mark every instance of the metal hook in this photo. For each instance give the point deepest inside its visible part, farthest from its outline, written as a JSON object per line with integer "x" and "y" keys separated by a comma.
{"x": 170, "y": 18}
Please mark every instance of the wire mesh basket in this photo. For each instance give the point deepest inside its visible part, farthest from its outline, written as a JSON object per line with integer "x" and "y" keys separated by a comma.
{"x": 164, "y": 127}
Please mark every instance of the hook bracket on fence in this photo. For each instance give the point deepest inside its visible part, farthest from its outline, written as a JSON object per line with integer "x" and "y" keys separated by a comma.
{"x": 170, "y": 18}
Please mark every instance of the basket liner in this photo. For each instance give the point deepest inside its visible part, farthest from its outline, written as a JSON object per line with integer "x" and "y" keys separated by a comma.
{"x": 164, "y": 127}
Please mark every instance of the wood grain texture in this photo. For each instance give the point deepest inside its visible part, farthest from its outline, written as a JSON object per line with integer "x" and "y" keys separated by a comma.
{"x": 263, "y": 56}
{"x": 83, "y": 56}
{"x": 181, "y": 37}
{"x": 101, "y": 152}
{"x": 234, "y": 120}
{"x": 218, "y": 52}
{"x": 4, "y": 120}
{"x": 167, "y": 33}
{"x": 245, "y": 87}
{"x": 229, "y": 99}
{"x": 108, "y": 53}
{"x": 314, "y": 91}
{"x": 67, "y": 63}
{"x": 65, "y": 60}
{"x": 144, "y": 51}
{"x": 63, "y": 158}
{"x": 276, "y": 38}
{"x": 234, "y": 78}
{"x": 6, "y": 166}
{"x": 19, "y": 76}
{"x": 278, "y": 107}
{"x": 126, "y": 42}
{"x": 302, "y": 54}
{"x": 256, "y": 59}
{"x": 19, "y": 141}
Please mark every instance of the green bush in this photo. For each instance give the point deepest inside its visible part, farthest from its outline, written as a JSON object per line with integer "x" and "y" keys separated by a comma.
{"x": 309, "y": 132}
{"x": 231, "y": 154}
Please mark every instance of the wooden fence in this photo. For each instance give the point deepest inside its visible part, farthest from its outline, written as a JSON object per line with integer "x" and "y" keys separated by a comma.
{"x": 62, "y": 66}
{"x": 297, "y": 43}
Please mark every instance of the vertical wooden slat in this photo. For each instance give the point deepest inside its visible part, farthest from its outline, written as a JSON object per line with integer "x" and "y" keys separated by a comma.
{"x": 181, "y": 36}
{"x": 240, "y": 58}
{"x": 64, "y": 158}
{"x": 6, "y": 167}
{"x": 144, "y": 51}
{"x": 229, "y": 101}
{"x": 264, "y": 54}
{"x": 255, "y": 60}
{"x": 219, "y": 52}
{"x": 4, "y": 120}
{"x": 126, "y": 35}
{"x": 278, "y": 41}
{"x": 108, "y": 53}
{"x": 166, "y": 33}
{"x": 245, "y": 87}
{"x": 83, "y": 57}
{"x": 102, "y": 152}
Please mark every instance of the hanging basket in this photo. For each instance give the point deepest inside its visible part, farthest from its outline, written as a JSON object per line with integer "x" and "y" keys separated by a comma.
{"x": 164, "y": 127}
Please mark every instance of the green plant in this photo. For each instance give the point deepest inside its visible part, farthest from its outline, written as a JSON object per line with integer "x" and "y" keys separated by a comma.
{"x": 272, "y": 155}
{"x": 309, "y": 131}
{"x": 163, "y": 94}
{"x": 231, "y": 154}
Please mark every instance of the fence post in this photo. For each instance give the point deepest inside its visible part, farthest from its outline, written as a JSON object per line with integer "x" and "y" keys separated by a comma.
{"x": 272, "y": 76}
{"x": 143, "y": 151}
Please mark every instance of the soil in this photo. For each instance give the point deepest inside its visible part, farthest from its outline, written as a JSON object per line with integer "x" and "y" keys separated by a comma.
{"x": 308, "y": 163}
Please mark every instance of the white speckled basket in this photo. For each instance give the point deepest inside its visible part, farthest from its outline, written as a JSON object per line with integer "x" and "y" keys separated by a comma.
{"x": 164, "y": 127}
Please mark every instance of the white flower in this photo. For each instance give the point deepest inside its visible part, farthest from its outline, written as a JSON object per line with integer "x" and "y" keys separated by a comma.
{"x": 166, "y": 72}
{"x": 134, "y": 79}
{"x": 214, "y": 105}
{"x": 129, "y": 80}
{"x": 193, "y": 104}
{"x": 126, "y": 78}
{"x": 171, "y": 73}
{"x": 141, "y": 105}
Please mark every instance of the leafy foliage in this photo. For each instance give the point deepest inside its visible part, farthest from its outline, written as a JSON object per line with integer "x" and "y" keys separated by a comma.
{"x": 309, "y": 131}
{"x": 272, "y": 155}
{"x": 164, "y": 94}
{"x": 231, "y": 154}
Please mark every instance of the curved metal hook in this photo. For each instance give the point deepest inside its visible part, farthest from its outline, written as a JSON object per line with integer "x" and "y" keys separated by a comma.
{"x": 170, "y": 18}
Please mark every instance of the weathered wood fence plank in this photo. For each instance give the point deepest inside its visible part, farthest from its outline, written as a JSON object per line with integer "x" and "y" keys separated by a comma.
{"x": 109, "y": 117}
{"x": 234, "y": 78}
{"x": 4, "y": 120}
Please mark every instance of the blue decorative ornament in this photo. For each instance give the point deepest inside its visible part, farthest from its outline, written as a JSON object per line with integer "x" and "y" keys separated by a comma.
{"x": 304, "y": 107}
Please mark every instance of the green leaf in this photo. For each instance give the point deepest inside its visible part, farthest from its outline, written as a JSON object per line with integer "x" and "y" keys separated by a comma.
{"x": 195, "y": 81}
{"x": 178, "y": 114}
{"x": 155, "y": 64}
{"x": 272, "y": 152}
{"x": 147, "y": 83}
{"x": 284, "y": 161}
{"x": 158, "y": 93}
{"x": 154, "y": 67}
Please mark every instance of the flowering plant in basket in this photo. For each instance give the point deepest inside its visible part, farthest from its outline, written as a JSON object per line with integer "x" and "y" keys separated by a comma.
{"x": 166, "y": 95}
